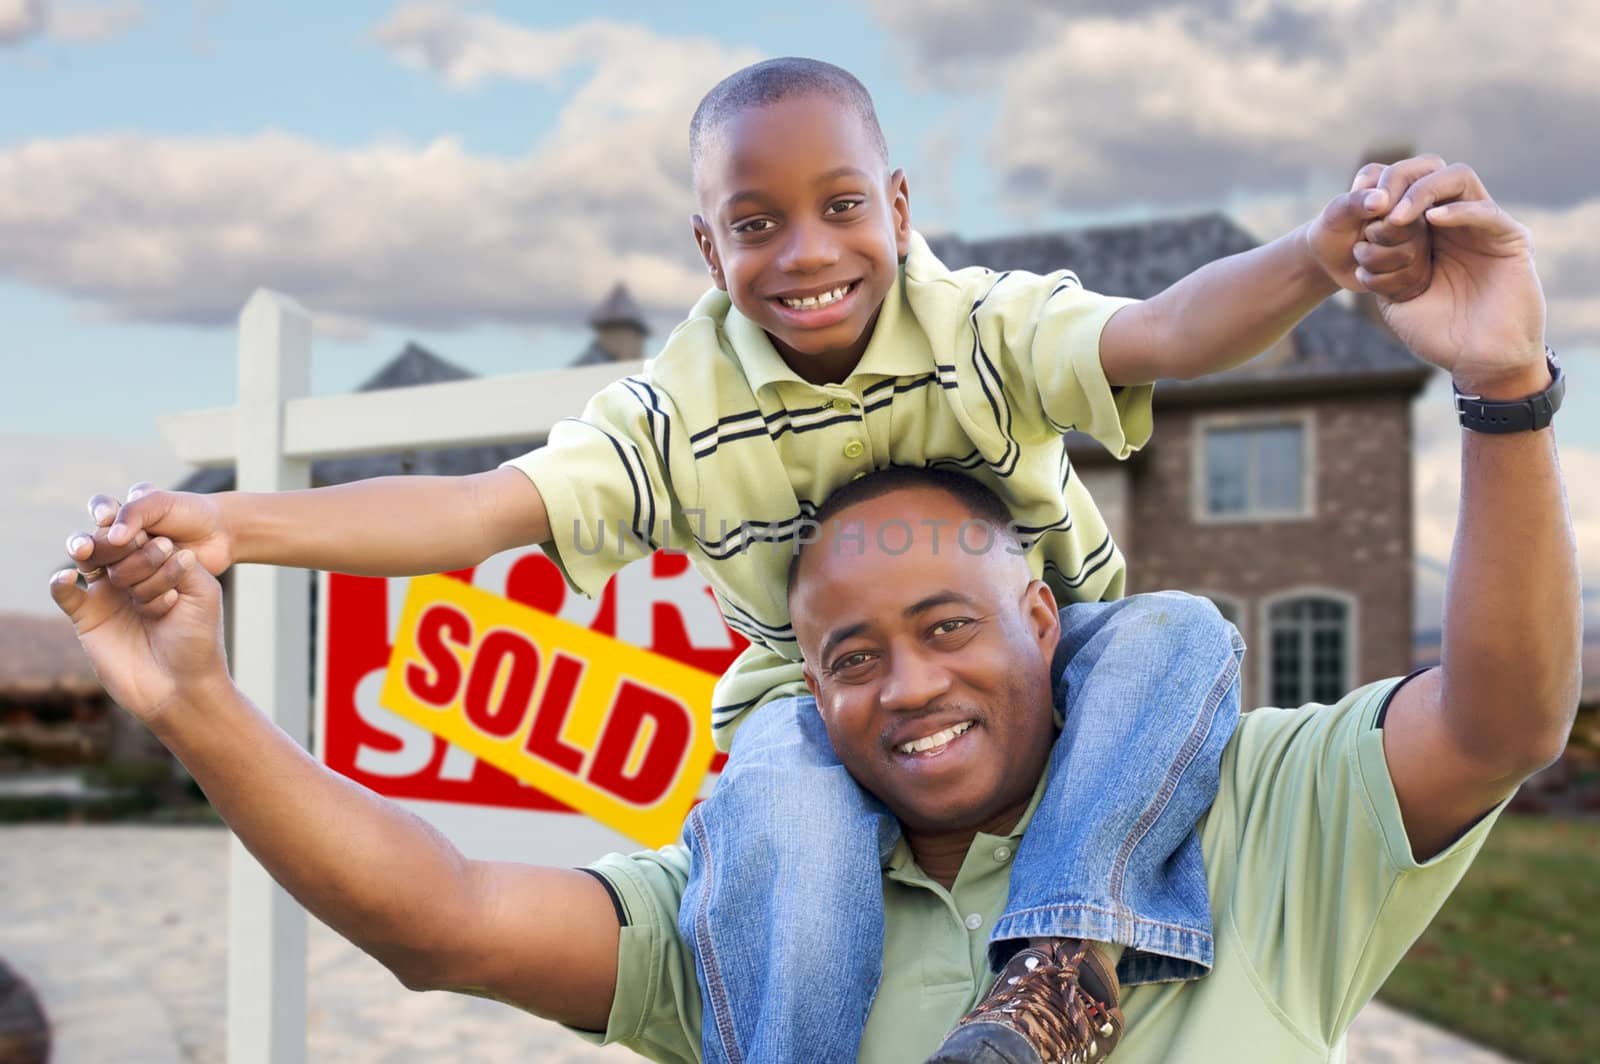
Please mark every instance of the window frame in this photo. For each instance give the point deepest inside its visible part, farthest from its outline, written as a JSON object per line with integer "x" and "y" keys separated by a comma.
{"x": 1199, "y": 498}
{"x": 1263, "y": 620}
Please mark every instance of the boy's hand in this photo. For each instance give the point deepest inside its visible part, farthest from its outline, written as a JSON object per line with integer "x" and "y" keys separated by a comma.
{"x": 150, "y": 655}
{"x": 1360, "y": 248}
{"x": 127, "y": 541}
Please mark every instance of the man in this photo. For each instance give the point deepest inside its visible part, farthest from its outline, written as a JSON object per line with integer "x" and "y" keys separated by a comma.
{"x": 1336, "y": 834}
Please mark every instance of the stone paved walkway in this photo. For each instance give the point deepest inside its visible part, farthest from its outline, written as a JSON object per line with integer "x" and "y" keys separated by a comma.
{"x": 122, "y": 931}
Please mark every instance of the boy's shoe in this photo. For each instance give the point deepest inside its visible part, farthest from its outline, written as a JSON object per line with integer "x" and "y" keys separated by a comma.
{"x": 1052, "y": 1003}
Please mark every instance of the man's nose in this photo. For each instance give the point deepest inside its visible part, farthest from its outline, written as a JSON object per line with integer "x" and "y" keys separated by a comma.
{"x": 810, "y": 249}
{"x": 913, "y": 681}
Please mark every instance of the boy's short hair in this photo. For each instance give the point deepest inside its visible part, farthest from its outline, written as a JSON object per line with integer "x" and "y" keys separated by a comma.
{"x": 976, "y": 497}
{"x": 772, "y": 80}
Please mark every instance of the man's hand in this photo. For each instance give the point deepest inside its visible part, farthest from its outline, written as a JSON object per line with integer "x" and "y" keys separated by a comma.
{"x": 155, "y": 652}
{"x": 124, "y": 541}
{"x": 1359, "y": 248}
{"x": 1482, "y": 314}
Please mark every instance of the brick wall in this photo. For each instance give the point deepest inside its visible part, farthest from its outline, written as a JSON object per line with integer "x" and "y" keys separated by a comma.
{"x": 1358, "y": 541}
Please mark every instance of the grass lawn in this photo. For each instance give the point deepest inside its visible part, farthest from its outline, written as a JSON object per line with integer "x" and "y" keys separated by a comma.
{"x": 1513, "y": 959}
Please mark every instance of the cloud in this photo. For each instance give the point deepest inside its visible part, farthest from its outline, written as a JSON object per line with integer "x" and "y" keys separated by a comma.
{"x": 21, "y": 20}
{"x": 182, "y": 229}
{"x": 1180, "y": 104}
{"x": 1265, "y": 107}
{"x": 93, "y": 23}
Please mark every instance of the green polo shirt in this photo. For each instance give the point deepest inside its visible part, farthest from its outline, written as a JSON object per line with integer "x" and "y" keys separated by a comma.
{"x": 719, "y": 449}
{"x": 1315, "y": 897}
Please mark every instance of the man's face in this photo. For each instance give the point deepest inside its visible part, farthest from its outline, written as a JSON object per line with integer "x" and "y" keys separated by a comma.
{"x": 803, "y": 227}
{"x": 930, "y": 666}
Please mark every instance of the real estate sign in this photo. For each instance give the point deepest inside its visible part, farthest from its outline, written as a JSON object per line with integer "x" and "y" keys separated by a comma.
{"x": 522, "y": 719}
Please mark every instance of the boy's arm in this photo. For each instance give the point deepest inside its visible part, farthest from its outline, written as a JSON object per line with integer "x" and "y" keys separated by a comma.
{"x": 544, "y": 939}
{"x": 387, "y": 526}
{"x": 1228, "y": 311}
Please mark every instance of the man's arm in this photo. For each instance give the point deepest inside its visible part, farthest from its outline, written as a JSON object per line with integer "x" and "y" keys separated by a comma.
{"x": 543, "y": 939}
{"x": 387, "y": 526}
{"x": 1228, "y": 311}
{"x": 1501, "y": 704}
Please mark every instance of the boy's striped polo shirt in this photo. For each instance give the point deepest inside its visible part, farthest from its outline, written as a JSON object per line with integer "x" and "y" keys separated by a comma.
{"x": 722, "y": 451}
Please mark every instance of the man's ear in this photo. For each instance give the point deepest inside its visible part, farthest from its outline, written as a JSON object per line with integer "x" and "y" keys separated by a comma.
{"x": 708, "y": 251}
{"x": 900, "y": 205}
{"x": 1044, "y": 617}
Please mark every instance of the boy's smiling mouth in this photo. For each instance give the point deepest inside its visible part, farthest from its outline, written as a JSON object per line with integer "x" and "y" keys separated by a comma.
{"x": 817, "y": 307}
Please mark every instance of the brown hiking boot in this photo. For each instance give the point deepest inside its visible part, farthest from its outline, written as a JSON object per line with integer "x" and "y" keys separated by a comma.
{"x": 1050, "y": 1004}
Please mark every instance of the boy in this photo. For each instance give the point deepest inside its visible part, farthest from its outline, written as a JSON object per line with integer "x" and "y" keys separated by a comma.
{"x": 835, "y": 344}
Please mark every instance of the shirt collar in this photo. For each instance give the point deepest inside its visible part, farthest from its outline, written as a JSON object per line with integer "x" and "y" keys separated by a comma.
{"x": 902, "y": 866}
{"x": 898, "y": 348}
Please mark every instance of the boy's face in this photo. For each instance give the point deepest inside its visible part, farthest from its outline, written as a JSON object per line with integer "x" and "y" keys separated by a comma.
{"x": 803, "y": 226}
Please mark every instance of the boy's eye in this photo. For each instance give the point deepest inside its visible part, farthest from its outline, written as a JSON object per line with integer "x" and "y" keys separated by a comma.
{"x": 842, "y": 206}
{"x": 754, "y": 225}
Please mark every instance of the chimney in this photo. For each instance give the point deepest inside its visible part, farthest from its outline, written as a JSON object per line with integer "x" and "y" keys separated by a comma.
{"x": 619, "y": 327}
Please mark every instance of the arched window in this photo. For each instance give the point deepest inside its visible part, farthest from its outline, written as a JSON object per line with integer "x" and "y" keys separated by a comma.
{"x": 1310, "y": 648}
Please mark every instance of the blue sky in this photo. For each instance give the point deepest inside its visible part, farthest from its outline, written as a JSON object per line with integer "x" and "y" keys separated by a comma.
{"x": 475, "y": 175}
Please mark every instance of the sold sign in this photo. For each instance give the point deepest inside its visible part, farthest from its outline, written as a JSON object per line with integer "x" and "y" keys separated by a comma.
{"x": 604, "y": 726}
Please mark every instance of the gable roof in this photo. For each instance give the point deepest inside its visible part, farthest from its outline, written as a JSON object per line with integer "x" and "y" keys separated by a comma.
{"x": 1332, "y": 347}
{"x": 618, "y": 308}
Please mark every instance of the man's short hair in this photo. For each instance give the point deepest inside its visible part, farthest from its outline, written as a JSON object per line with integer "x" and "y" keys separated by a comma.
{"x": 772, "y": 80}
{"x": 976, "y": 497}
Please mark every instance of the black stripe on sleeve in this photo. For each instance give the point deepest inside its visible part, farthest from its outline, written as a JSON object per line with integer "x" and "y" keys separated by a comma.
{"x": 616, "y": 899}
{"x": 1383, "y": 710}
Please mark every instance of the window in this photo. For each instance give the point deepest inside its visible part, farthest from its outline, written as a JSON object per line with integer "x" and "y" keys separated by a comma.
{"x": 1253, "y": 470}
{"x": 1310, "y": 650}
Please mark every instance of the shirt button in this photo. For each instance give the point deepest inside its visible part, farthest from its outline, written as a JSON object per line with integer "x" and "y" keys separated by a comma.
{"x": 1002, "y": 852}
{"x": 854, "y": 449}
{"x": 842, "y": 405}
{"x": 974, "y": 921}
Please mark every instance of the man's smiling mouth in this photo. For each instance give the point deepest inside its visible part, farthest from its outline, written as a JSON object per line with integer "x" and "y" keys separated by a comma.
{"x": 935, "y": 742}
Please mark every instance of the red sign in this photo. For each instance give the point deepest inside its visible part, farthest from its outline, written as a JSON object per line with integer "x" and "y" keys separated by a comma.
{"x": 659, "y": 603}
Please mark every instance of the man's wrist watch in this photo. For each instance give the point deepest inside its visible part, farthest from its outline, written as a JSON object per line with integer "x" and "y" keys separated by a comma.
{"x": 1515, "y": 415}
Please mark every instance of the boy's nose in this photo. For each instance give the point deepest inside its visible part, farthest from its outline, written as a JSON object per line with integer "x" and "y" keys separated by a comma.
{"x": 809, "y": 250}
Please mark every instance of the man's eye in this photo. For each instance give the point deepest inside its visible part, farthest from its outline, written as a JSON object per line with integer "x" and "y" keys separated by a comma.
{"x": 851, "y": 661}
{"x": 955, "y": 624}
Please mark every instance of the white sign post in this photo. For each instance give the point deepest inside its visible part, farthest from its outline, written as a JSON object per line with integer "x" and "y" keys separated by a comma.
{"x": 271, "y": 663}
{"x": 273, "y": 435}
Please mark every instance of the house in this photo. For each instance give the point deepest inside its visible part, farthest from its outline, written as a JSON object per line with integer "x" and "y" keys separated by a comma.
{"x": 52, "y": 708}
{"x": 1281, "y": 490}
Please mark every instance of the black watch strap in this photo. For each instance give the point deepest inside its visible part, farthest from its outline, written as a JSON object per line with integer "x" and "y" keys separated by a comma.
{"x": 1515, "y": 415}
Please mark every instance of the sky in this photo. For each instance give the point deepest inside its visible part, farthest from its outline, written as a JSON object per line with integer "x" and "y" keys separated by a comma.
{"x": 475, "y": 177}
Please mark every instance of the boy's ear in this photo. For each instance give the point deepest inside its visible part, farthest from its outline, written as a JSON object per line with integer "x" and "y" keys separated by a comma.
{"x": 900, "y": 204}
{"x": 708, "y": 251}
